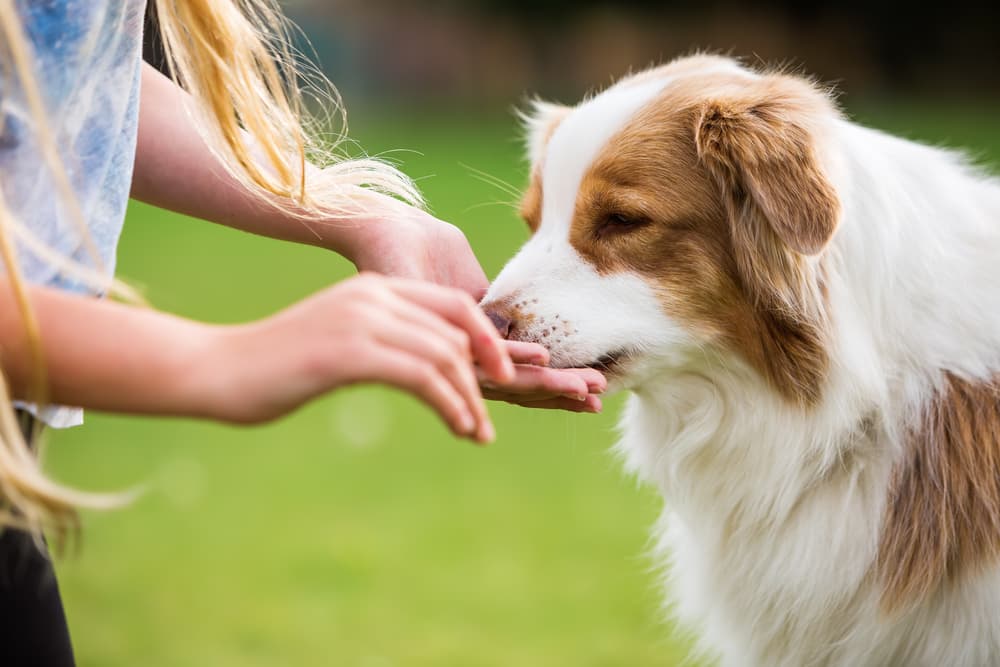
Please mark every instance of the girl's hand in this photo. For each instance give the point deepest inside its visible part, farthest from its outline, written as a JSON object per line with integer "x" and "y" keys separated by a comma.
{"x": 418, "y": 337}
{"x": 537, "y": 386}
{"x": 402, "y": 241}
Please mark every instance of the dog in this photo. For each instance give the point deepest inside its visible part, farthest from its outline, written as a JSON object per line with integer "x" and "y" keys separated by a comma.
{"x": 806, "y": 313}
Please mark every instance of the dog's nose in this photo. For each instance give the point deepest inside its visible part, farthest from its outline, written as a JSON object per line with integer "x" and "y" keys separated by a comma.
{"x": 500, "y": 321}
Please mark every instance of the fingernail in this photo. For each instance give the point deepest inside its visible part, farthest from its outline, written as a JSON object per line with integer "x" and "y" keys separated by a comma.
{"x": 575, "y": 397}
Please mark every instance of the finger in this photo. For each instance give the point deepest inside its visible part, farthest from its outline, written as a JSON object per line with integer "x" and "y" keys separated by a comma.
{"x": 593, "y": 404}
{"x": 451, "y": 361}
{"x": 596, "y": 382}
{"x": 541, "y": 382}
{"x": 527, "y": 353}
{"x": 423, "y": 380}
{"x": 458, "y": 308}
{"x": 419, "y": 318}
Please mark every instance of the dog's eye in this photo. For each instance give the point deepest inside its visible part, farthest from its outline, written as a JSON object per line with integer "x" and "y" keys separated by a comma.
{"x": 620, "y": 223}
{"x": 622, "y": 220}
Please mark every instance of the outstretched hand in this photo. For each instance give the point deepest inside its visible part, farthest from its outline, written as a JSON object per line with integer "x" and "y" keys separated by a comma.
{"x": 537, "y": 386}
{"x": 425, "y": 339}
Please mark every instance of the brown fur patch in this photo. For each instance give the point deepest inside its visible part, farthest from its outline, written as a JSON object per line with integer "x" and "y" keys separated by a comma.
{"x": 541, "y": 124}
{"x": 531, "y": 203}
{"x": 712, "y": 217}
{"x": 942, "y": 520}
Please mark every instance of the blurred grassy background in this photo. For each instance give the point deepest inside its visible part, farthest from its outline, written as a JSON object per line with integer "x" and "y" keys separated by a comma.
{"x": 358, "y": 532}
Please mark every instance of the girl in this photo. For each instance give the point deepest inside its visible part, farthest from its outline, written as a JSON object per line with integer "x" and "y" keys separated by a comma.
{"x": 84, "y": 123}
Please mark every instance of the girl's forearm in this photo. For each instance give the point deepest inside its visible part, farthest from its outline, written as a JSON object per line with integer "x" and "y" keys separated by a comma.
{"x": 175, "y": 169}
{"x": 110, "y": 357}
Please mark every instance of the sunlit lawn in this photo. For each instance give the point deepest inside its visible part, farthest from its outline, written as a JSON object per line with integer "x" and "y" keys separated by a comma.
{"x": 358, "y": 532}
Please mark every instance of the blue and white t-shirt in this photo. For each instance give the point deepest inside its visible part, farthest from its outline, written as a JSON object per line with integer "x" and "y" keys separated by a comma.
{"x": 87, "y": 57}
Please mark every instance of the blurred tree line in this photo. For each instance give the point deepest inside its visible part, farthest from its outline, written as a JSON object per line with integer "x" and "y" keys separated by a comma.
{"x": 500, "y": 50}
{"x": 905, "y": 39}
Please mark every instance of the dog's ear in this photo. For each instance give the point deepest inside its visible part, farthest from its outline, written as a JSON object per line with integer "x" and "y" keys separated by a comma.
{"x": 760, "y": 145}
{"x": 540, "y": 121}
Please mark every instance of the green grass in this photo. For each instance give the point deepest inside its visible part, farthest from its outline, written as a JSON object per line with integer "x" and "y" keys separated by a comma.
{"x": 358, "y": 532}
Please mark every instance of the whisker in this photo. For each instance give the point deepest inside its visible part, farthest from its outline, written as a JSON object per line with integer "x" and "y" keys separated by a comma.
{"x": 495, "y": 181}
{"x": 507, "y": 204}
{"x": 499, "y": 185}
{"x": 488, "y": 175}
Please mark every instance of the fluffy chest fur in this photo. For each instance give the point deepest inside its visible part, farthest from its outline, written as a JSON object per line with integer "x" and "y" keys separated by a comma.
{"x": 773, "y": 558}
{"x": 807, "y": 313}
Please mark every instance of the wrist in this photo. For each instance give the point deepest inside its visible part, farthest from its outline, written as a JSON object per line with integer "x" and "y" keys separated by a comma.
{"x": 351, "y": 237}
{"x": 361, "y": 232}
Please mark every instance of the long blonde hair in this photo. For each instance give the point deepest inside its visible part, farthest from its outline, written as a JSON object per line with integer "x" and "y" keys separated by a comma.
{"x": 248, "y": 89}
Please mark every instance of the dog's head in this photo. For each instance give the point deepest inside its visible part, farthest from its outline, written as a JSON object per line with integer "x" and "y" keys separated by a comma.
{"x": 680, "y": 214}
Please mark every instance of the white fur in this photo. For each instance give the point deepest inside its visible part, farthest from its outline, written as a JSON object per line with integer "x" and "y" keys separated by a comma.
{"x": 774, "y": 513}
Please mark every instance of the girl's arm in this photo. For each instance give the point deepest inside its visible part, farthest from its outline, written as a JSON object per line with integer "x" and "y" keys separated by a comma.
{"x": 175, "y": 169}
{"x": 419, "y": 337}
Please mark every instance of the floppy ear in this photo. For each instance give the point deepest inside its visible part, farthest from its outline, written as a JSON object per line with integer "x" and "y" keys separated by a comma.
{"x": 540, "y": 122}
{"x": 760, "y": 146}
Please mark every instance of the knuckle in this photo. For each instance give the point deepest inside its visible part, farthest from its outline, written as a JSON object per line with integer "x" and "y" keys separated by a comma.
{"x": 439, "y": 351}
{"x": 465, "y": 300}
{"x": 369, "y": 284}
{"x": 352, "y": 306}
{"x": 456, "y": 297}
{"x": 359, "y": 282}
{"x": 449, "y": 362}
{"x": 361, "y": 311}
{"x": 424, "y": 376}
{"x": 452, "y": 363}
{"x": 462, "y": 341}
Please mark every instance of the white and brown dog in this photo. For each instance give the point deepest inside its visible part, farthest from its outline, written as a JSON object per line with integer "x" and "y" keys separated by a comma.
{"x": 807, "y": 314}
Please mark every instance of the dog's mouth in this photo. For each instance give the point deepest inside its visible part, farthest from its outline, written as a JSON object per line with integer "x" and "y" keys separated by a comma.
{"x": 610, "y": 362}
{"x": 606, "y": 363}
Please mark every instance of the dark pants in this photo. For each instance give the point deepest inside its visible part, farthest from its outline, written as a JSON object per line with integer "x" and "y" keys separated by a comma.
{"x": 33, "y": 629}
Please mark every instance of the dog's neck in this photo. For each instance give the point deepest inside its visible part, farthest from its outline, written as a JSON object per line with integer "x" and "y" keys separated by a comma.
{"x": 728, "y": 443}
{"x": 773, "y": 513}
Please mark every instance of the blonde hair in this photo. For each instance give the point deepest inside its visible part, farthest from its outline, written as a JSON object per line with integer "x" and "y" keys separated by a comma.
{"x": 247, "y": 88}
